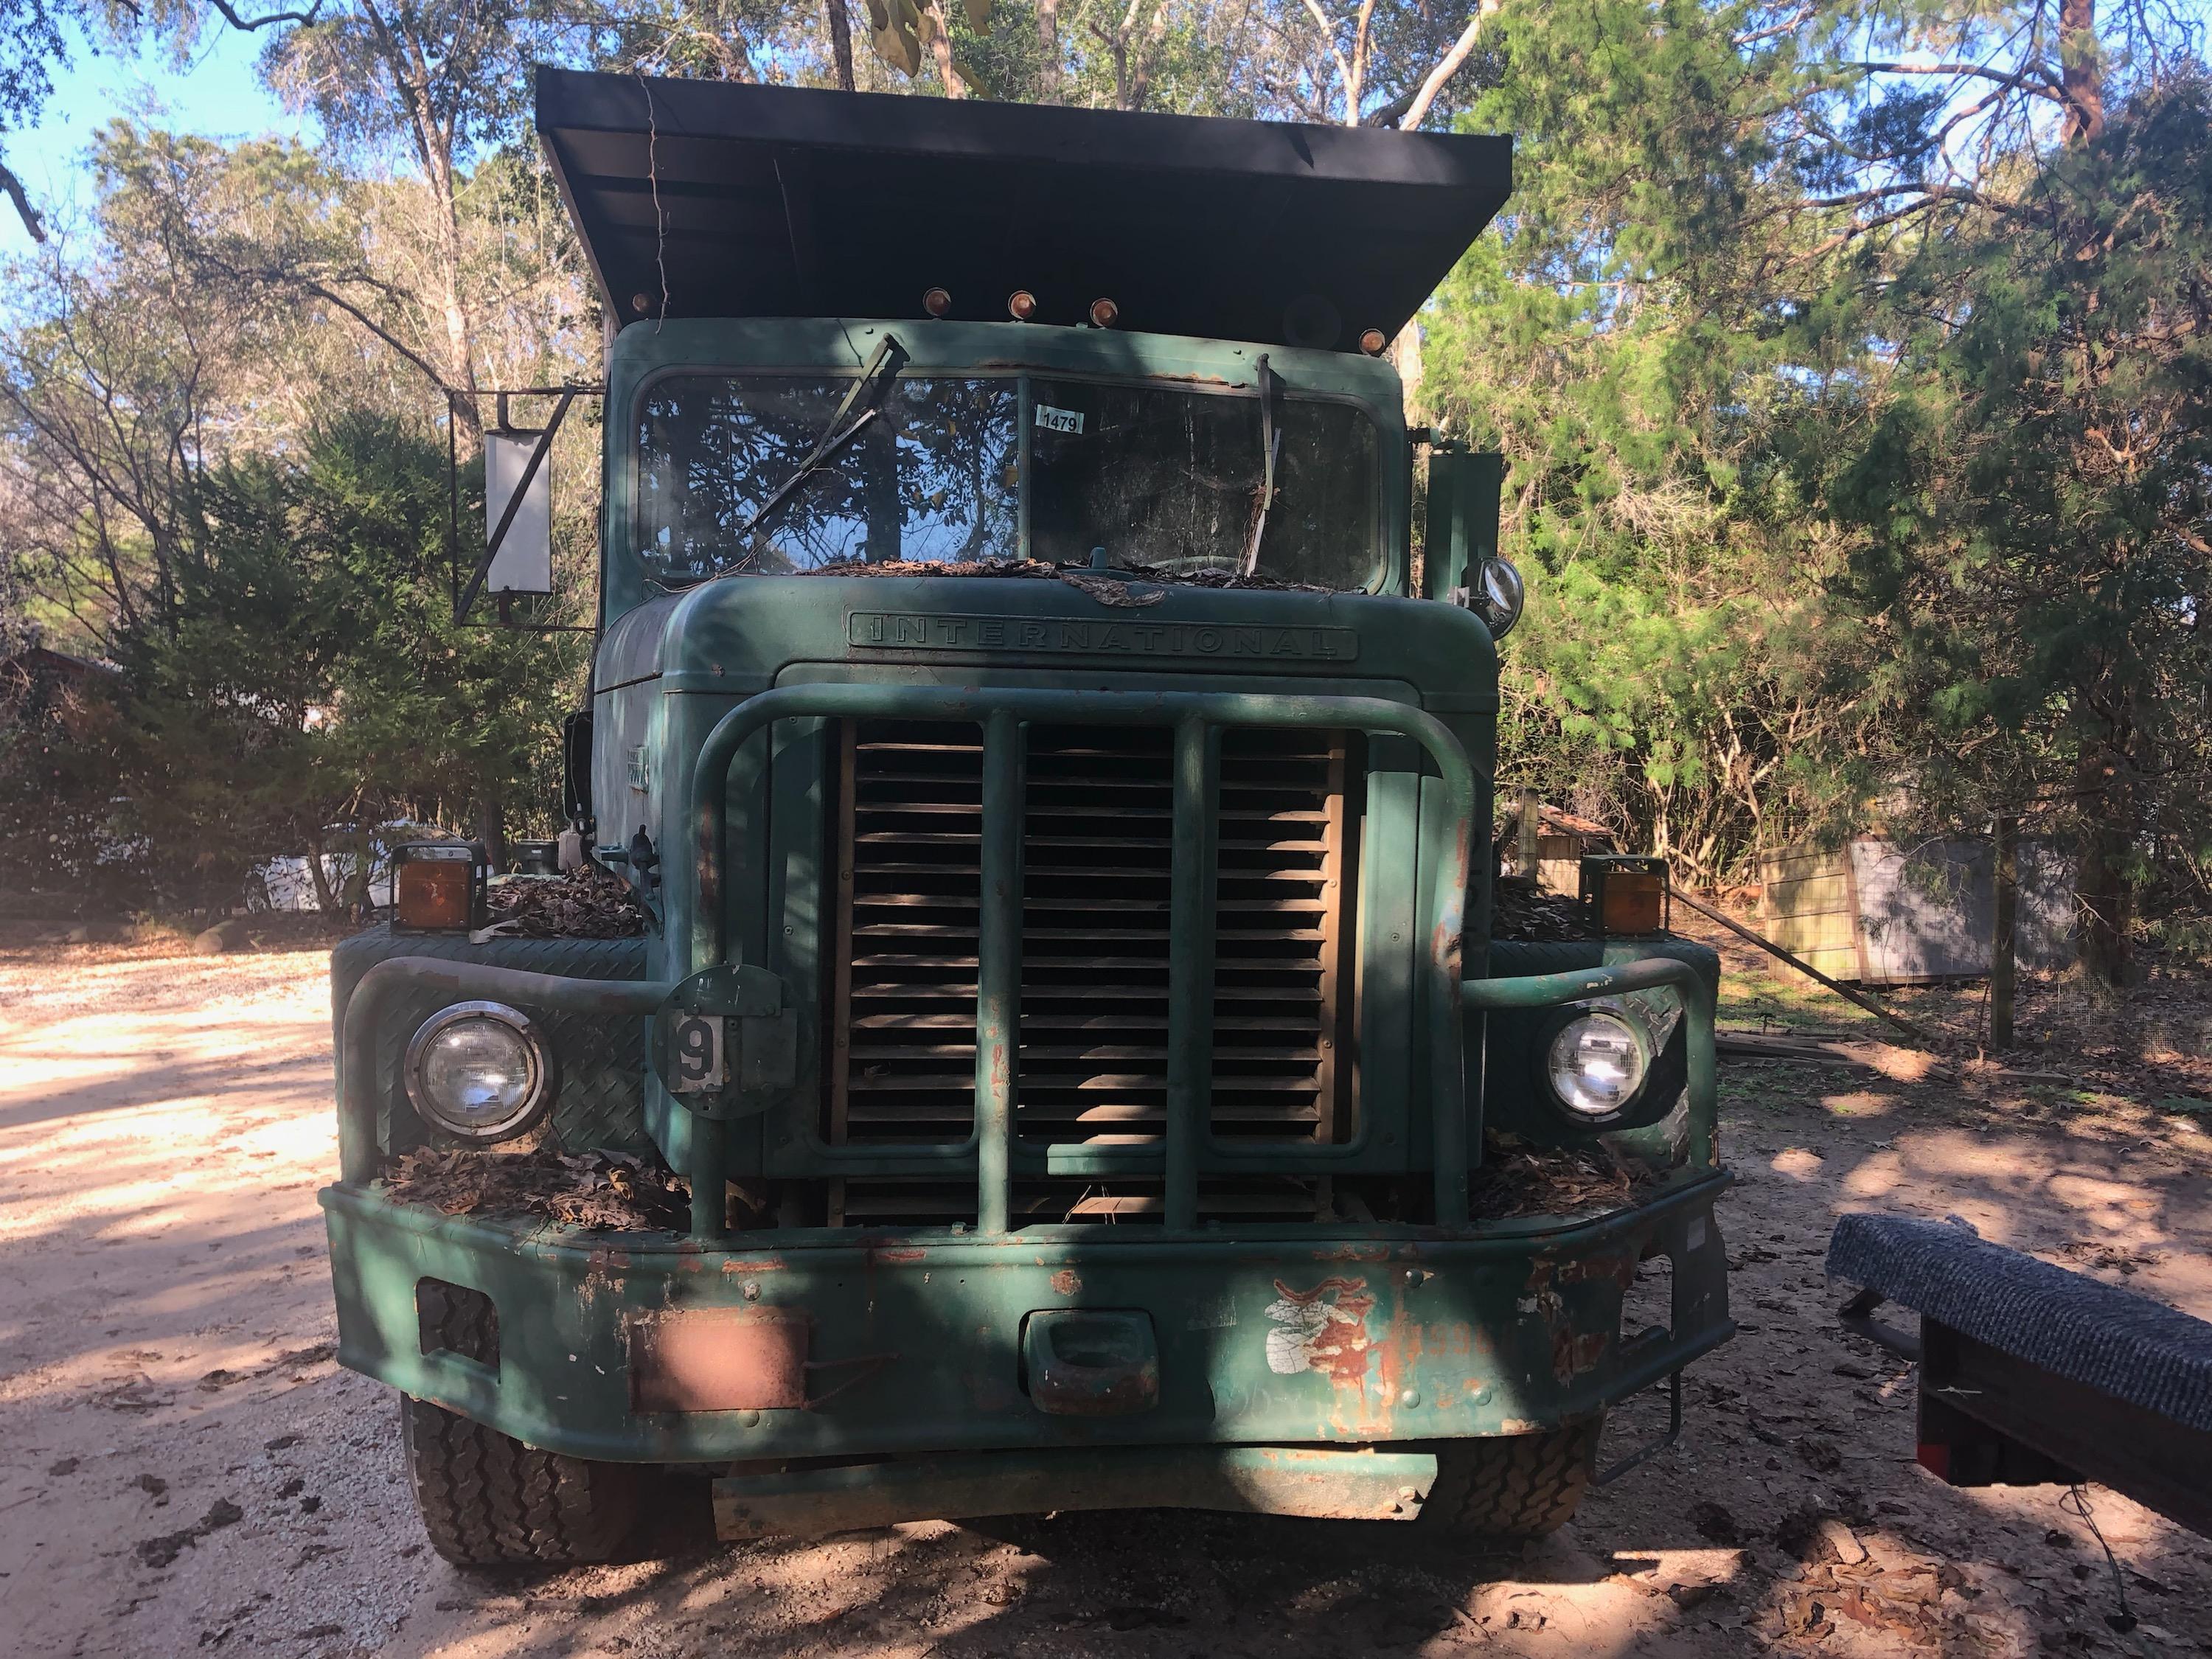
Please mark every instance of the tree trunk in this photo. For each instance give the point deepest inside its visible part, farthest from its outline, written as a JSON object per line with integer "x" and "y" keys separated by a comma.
{"x": 460, "y": 333}
{"x": 841, "y": 42}
{"x": 492, "y": 831}
{"x": 1525, "y": 852}
{"x": 325, "y": 900}
{"x": 940, "y": 47}
{"x": 1047, "y": 29}
{"x": 2003, "y": 938}
{"x": 2101, "y": 887}
{"x": 2080, "y": 70}
{"x": 1404, "y": 355}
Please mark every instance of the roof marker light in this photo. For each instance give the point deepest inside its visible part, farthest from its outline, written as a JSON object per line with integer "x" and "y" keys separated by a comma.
{"x": 937, "y": 302}
{"x": 1373, "y": 341}
{"x": 1103, "y": 313}
{"x": 1021, "y": 305}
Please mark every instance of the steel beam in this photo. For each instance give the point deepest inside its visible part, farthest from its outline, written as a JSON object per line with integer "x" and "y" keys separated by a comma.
{"x": 1321, "y": 1484}
{"x": 999, "y": 969}
{"x": 1191, "y": 861}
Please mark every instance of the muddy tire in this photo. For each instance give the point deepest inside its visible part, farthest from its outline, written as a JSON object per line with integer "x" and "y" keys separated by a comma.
{"x": 488, "y": 1500}
{"x": 1512, "y": 1485}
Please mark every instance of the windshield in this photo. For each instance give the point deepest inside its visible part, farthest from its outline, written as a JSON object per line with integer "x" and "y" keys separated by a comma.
{"x": 1158, "y": 477}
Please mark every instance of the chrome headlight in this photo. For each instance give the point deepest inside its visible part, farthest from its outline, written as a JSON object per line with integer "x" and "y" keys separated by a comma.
{"x": 1597, "y": 1061}
{"x": 480, "y": 1071}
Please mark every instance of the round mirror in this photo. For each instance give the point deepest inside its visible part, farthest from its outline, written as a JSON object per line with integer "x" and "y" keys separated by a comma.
{"x": 1498, "y": 596}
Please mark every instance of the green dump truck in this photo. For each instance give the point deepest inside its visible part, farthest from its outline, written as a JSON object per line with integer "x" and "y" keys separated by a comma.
{"x": 1069, "y": 1015}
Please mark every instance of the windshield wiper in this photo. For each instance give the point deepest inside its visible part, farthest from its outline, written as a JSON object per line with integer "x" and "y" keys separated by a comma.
{"x": 1271, "y": 445}
{"x": 867, "y": 398}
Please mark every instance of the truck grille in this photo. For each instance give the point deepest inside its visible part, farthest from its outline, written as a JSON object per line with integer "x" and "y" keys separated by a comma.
{"x": 1093, "y": 1058}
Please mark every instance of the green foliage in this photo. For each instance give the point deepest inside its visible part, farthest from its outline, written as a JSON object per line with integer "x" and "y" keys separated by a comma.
{"x": 1610, "y": 342}
{"x": 312, "y": 675}
{"x": 2032, "y": 488}
{"x": 1854, "y": 407}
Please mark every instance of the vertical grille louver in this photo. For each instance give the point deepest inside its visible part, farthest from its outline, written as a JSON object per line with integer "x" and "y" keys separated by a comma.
{"x": 1095, "y": 944}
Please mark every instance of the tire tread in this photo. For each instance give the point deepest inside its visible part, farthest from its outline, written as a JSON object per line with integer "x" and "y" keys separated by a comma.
{"x": 489, "y": 1500}
{"x": 1517, "y": 1485}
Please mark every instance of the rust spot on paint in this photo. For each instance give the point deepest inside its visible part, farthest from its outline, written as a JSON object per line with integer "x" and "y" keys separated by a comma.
{"x": 1066, "y": 1282}
{"x": 767, "y": 1264}
{"x": 899, "y": 1255}
{"x": 1589, "y": 1269}
{"x": 1572, "y": 1354}
{"x": 1323, "y": 1329}
{"x": 1353, "y": 1253}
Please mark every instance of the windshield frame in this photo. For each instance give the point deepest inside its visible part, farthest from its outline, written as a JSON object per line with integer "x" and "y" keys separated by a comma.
{"x": 643, "y": 359}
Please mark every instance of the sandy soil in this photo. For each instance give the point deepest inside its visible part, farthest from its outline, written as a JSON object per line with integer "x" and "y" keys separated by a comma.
{"x": 182, "y": 1467}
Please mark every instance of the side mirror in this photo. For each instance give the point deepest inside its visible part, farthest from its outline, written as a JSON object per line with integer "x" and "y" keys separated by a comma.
{"x": 576, "y": 769}
{"x": 1497, "y": 596}
{"x": 1462, "y": 566}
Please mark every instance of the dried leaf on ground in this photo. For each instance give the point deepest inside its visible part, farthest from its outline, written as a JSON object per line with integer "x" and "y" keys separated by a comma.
{"x": 602, "y": 1191}
{"x": 586, "y": 903}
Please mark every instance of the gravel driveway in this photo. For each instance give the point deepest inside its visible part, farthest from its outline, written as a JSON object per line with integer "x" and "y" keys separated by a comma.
{"x": 182, "y": 1467}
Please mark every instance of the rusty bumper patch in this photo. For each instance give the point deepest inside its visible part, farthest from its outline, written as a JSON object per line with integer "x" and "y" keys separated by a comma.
{"x": 718, "y": 1359}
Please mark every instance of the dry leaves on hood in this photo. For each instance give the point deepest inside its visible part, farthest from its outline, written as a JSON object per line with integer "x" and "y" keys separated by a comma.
{"x": 586, "y": 903}
{"x": 1533, "y": 1181}
{"x": 1521, "y": 911}
{"x": 602, "y": 1191}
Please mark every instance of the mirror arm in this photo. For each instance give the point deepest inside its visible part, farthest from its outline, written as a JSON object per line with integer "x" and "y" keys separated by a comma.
{"x": 538, "y": 454}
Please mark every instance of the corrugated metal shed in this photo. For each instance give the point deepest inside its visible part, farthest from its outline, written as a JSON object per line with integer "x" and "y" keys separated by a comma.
{"x": 1876, "y": 913}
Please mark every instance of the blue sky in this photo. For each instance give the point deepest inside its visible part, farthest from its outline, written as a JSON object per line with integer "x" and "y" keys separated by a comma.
{"x": 216, "y": 94}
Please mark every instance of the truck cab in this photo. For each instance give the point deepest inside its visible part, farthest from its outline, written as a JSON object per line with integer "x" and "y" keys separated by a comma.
{"x": 1062, "y": 806}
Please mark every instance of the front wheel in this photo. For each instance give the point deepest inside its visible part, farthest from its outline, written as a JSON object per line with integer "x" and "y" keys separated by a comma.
{"x": 1512, "y": 1485}
{"x": 488, "y": 1500}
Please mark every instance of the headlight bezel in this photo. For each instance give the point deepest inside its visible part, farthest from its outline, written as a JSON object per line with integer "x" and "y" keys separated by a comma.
{"x": 542, "y": 1085}
{"x": 1555, "y": 1030}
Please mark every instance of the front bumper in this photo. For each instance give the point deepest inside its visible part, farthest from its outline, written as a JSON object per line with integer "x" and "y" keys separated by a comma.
{"x": 1267, "y": 1336}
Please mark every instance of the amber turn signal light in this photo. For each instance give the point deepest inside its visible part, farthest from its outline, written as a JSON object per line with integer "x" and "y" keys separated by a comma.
{"x": 436, "y": 886}
{"x": 1021, "y": 305}
{"x": 1625, "y": 895}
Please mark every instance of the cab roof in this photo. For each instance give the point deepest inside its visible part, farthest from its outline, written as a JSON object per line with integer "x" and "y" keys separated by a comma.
{"x": 781, "y": 201}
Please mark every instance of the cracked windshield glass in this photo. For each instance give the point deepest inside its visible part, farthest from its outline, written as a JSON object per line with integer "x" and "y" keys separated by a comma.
{"x": 1165, "y": 478}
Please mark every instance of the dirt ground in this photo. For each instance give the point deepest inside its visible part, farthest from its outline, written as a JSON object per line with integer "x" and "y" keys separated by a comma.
{"x": 183, "y": 1468}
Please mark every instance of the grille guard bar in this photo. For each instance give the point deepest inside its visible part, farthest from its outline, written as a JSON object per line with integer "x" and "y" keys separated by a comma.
{"x": 1197, "y": 719}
